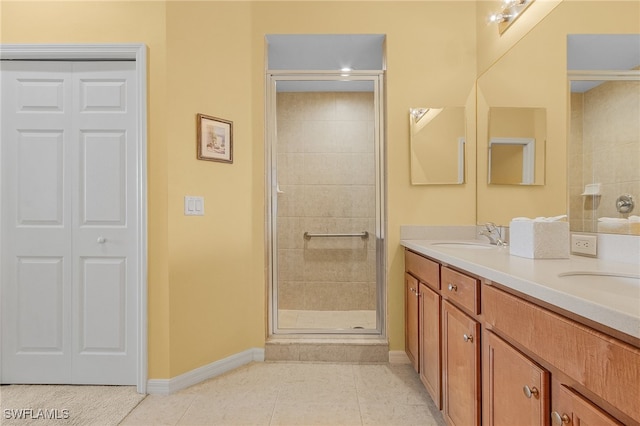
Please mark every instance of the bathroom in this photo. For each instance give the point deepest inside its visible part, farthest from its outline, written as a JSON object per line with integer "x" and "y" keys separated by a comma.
{"x": 207, "y": 279}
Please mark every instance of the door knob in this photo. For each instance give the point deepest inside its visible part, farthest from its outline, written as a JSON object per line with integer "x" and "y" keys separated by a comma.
{"x": 558, "y": 419}
{"x": 102, "y": 240}
{"x": 468, "y": 338}
{"x": 529, "y": 392}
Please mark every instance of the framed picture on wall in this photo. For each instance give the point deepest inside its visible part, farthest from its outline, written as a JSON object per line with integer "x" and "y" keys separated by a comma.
{"x": 215, "y": 139}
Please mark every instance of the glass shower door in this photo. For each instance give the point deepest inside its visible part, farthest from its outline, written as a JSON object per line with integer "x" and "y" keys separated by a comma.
{"x": 325, "y": 210}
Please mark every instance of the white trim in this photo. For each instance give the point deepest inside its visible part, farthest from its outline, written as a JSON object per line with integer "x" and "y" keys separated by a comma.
{"x": 461, "y": 157}
{"x": 200, "y": 374}
{"x": 398, "y": 357}
{"x": 128, "y": 51}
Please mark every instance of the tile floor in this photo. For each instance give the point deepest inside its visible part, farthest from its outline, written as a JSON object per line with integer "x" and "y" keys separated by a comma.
{"x": 274, "y": 393}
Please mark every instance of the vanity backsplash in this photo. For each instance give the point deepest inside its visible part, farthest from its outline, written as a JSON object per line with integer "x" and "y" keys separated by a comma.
{"x": 611, "y": 247}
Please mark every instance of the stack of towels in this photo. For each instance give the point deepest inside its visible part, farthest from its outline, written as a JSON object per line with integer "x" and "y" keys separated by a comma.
{"x": 615, "y": 225}
{"x": 539, "y": 238}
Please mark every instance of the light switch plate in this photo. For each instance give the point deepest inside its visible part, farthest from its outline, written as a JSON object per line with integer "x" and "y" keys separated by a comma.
{"x": 193, "y": 206}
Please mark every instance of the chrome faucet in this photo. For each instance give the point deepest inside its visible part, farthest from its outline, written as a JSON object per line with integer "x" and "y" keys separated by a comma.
{"x": 493, "y": 233}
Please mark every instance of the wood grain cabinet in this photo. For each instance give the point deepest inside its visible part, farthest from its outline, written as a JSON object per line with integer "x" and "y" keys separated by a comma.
{"x": 569, "y": 408}
{"x": 530, "y": 366}
{"x": 460, "y": 367}
{"x": 430, "y": 360}
{"x": 516, "y": 390}
{"x": 411, "y": 323}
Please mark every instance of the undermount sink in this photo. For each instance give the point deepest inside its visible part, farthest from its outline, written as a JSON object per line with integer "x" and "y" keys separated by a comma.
{"x": 465, "y": 245}
{"x": 603, "y": 277}
{"x": 613, "y": 287}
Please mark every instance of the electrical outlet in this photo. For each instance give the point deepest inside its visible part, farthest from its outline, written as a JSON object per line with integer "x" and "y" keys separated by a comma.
{"x": 585, "y": 245}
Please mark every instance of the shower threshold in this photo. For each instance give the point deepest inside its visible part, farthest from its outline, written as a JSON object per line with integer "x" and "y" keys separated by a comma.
{"x": 333, "y": 320}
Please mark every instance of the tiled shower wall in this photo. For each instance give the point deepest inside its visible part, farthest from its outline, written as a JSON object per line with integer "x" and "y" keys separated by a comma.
{"x": 326, "y": 177}
{"x": 605, "y": 149}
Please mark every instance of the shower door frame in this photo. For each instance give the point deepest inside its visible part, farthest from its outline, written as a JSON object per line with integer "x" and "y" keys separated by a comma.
{"x": 377, "y": 77}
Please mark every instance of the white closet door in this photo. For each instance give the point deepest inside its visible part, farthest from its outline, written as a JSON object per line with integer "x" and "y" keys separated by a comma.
{"x": 36, "y": 217}
{"x": 69, "y": 191}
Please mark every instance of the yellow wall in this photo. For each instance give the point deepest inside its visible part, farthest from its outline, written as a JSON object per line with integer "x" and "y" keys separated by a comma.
{"x": 207, "y": 274}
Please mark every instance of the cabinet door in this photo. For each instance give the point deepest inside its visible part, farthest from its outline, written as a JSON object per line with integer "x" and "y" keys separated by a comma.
{"x": 411, "y": 330}
{"x": 460, "y": 367}
{"x": 430, "y": 366}
{"x": 571, "y": 409}
{"x": 516, "y": 390}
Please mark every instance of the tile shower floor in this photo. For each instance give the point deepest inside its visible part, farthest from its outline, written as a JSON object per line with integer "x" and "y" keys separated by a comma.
{"x": 291, "y": 318}
{"x": 268, "y": 393}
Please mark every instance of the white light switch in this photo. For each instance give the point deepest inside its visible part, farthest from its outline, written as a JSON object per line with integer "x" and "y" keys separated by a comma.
{"x": 193, "y": 206}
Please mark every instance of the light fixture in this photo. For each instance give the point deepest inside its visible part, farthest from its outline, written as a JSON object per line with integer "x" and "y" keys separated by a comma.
{"x": 511, "y": 9}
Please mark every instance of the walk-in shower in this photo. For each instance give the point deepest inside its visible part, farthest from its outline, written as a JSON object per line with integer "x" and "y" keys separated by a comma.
{"x": 326, "y": 192}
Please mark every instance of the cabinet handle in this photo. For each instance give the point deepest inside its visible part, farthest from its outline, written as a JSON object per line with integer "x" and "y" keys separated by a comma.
{"x": 101, "y": 240}
{"x": 558, "y": 419}
{"x": 468, "y": 338}
{"x": 453, "y": 287}
{"x": 529, "y": 392}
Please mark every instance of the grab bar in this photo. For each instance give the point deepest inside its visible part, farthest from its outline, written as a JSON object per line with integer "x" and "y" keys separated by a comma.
{"x": 364, "y": 235}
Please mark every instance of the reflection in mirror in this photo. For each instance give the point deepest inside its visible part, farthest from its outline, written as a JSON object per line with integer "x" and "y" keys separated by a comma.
{"x": 437, "y": 145}
{"x": 511, "y": 160}
{"x": 604, "y": 154}
{"x": 604, "y": 144}
{"x": 516, "y": 145}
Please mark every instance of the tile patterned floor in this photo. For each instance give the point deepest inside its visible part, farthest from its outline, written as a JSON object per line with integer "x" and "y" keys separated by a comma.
{"x": 295, "y": 394}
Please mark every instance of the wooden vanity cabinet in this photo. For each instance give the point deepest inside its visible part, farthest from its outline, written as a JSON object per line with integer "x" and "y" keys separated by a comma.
{"x": 537, "y": 365}
{"x": 460, "y": 367}
{"x": 516, "y": 390}
{"x": 569, "y": 408}
{"x": 430, "y": 360}
{"x": 411, "y": 321}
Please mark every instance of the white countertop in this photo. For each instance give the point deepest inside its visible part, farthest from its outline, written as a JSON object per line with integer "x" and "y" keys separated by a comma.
{"x": 605, "y": 300}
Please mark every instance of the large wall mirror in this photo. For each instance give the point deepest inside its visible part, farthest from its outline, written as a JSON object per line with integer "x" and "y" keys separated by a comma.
{"x": 604, "y": 143}
{"x": 533, "y": 74}
{"x": 437, "y": 145}
{"x": 516, "y": 145}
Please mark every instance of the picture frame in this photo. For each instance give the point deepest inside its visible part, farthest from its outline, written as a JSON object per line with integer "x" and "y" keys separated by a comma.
{"x": 215, "y": 139}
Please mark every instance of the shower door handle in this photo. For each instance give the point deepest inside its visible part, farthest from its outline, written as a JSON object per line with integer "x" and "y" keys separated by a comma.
{"x": 364, "y": 235}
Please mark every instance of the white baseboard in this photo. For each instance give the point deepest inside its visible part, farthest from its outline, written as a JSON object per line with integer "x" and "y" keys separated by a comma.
{"x": 200, "y": 374}
{"x": 398, "y": 357}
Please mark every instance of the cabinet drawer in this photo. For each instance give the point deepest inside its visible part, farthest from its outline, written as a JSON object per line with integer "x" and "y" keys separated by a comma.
{"x": 607, "y": 367}
{"x": 461, "y": 288}
{"x": 422, "y": 268}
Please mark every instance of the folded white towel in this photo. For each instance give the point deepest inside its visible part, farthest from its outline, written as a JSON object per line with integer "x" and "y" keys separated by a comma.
{"x": 613, "y": 219}
{"x": 540, "y": 219}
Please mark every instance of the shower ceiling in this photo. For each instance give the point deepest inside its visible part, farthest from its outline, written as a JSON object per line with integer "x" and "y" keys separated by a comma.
{"x": 325, "y": 52}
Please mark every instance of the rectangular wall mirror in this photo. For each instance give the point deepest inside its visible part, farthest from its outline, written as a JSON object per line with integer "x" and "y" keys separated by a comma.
{"x": 437, "y": 145}
{"x": 516, "y": 145}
